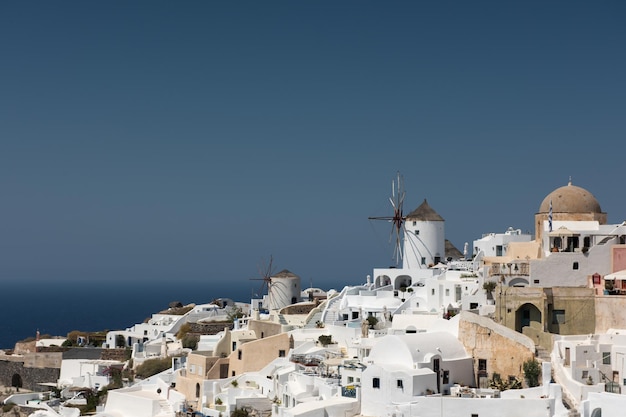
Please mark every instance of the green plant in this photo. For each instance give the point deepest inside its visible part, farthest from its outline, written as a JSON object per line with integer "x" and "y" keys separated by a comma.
{"x": 218, "y": 401}
{"x": 489, "y": 286}
{"x": 234, "y": 313}
{"x": 501, "y": 385}
{"x": 190, "y": 341}
{"x": 240, "y": 412}
{"x": 153, "y": 367}
{"x": 325, "y": 339}
{"x": 532, "y": 370}
{"x": 234, "y": 383}
{"x": 372, "y": 321}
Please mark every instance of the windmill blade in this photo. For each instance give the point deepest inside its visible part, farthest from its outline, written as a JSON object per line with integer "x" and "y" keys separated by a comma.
{"x": 397, "y": 229}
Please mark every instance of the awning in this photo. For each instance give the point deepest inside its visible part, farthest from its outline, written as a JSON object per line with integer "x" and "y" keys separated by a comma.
{"x": 563, "y": 231}
{"x": 619, "y": 275}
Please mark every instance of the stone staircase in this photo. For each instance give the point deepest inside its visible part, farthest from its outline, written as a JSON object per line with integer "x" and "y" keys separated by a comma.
{"x": 312, "y": 323}
{"x": 165, "y": 409}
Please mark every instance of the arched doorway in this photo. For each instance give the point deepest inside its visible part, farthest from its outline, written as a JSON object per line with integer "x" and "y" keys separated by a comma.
{"x": 16, "y": 381}
{"x": 528, "y": 315}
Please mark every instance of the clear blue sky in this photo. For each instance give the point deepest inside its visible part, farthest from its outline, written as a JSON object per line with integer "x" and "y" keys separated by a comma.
{"x": 147, "y": 140}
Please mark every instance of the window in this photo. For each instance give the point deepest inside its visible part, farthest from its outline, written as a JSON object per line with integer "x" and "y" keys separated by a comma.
{"x": 414, "y": 223}
{"x": 281, "y": 353}
{"x": 473, "y": 306}
{"x": 350, "y": 379}
{"x": 606, "y": 358}
{"x": 558, "y": 317}
{"x": 535, "y": 281}
{"x": 585, "y": 374}
{"x": 375, "y": 382}
{"x": 423, "y": 260}
{"x": 446, "y": 377}
{"x": 482, "y": 364}
{"x": 432, "y": 291}
{"x": 234, "y": 345}
{"x": 192, "y": 369}
{"x": 399, "y": 384}
{"x": 239, "y": 354}
{"x": 417, "y": 232}
{"x": 447, "y": 292}
{"x": 575, "y": 265}
{"x": 498, "y": 250}
{"x": 474, "y": 415}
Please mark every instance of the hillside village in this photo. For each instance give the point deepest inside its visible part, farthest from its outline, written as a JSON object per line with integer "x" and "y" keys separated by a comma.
{"x": 521, "y": 326}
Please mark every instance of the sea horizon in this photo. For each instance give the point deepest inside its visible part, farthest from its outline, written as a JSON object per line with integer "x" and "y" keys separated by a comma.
{"x": 56, "y": 308}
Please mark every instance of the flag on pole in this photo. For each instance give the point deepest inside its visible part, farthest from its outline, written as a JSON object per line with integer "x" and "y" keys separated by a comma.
{"x": 550, "y": 218}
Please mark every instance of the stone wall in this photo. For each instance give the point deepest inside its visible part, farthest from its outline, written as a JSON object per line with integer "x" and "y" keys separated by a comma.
{"x": 14, "y": 373}
{"x": 500, "y": 349}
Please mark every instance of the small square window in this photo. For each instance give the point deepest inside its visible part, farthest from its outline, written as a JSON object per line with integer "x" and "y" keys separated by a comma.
{"x": 350, "y": 379}
{"x": 281, "y": 353}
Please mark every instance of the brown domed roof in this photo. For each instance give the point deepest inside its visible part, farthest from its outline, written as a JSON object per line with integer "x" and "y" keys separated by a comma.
{"x": 570, "y": 199}
{"x": 425, "y": 213}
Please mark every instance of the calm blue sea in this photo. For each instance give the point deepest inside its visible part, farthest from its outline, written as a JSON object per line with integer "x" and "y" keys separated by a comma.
{"x": 57, "y": 308}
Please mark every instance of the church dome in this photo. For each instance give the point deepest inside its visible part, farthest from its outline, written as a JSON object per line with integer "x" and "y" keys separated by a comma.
{"x": 570, "y": 199}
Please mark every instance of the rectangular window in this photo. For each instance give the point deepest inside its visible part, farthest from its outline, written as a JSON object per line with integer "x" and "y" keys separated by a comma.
{"x": 350, "y": 379}
{"x": 399, "y": 384}
{"x": 482, "y": 364}
{"x": 575, "y": 265}
{"x": 432, "y": 291}
{"x": 239, "y": 354}
{"x": 423, "y": 260}
{"x": 606, "y": 358}
{"x": 585, "y": 374}
{"x": 447, "y": 292}
{"x": 281, "y": 353}
{"x": 558, "y": 317}
{"x": 474, "y": 415}
{"x": 498, "y": 250}
{"x": 535, "y": 281}
{"x": 375, "y": 382}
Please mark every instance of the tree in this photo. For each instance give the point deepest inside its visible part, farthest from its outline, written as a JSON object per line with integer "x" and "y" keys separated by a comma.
{"x": 532, "y": 370}
{"x": 489, "y": 286}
